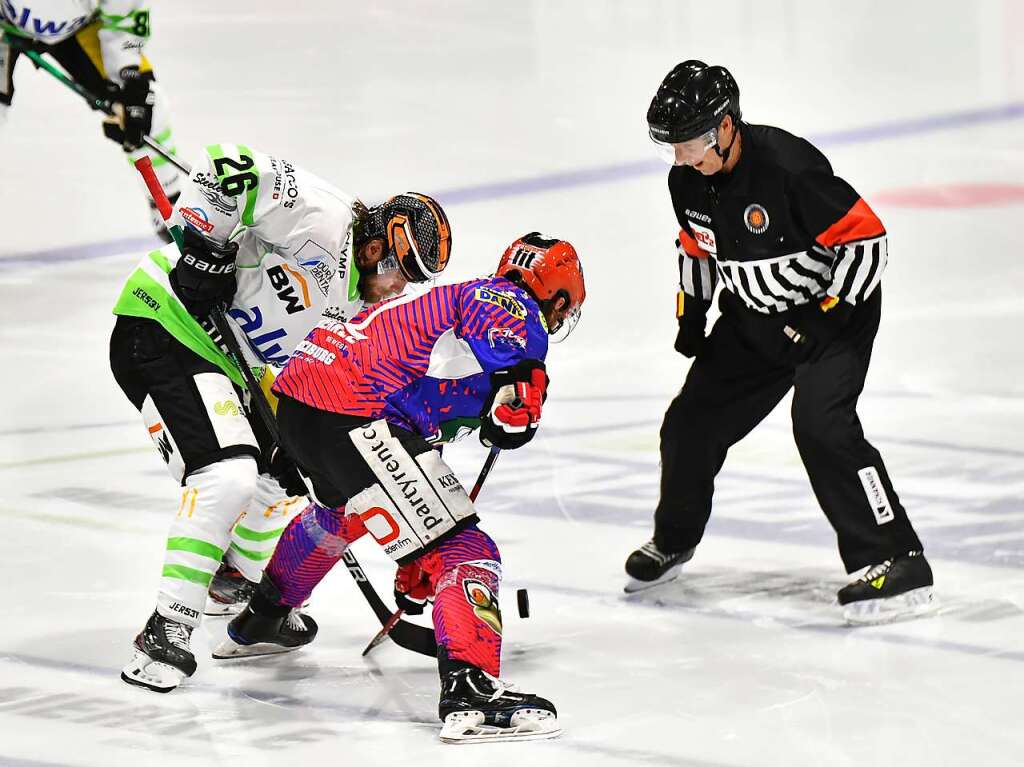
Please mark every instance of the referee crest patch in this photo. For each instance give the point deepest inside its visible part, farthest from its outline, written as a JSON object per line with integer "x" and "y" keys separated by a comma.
{"x": 756, "y": 218}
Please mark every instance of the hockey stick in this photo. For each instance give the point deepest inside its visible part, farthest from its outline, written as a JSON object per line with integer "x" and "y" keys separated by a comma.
{"x": 408, "y": 635}
{"x": 394, "y": 620}
{"x": 145, "y": 167}
{"x": 95, "y": 102}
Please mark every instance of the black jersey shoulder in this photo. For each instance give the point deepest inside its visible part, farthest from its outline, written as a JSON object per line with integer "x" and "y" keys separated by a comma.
{"x": 792, "y": 154}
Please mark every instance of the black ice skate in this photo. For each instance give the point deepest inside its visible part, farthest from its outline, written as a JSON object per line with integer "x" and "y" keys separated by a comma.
{"x": 478, "y": 708}
{"x": 229, "y": 592}
{"x": 649, "y": 566}
{"x": 162, "y": 655}
{"x": 266, "y": 627}
{"x": 896, "y": 588}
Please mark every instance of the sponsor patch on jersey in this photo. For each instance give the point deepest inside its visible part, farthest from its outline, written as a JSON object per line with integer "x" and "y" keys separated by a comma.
{"x": 497, "y": 336}
{"x": 756, "y": 218}
{"x": 197, "y": 218}
{"x": 699, "y": 216}
{"x": 281, "y": 277}
{"x": 704, "y": 237}
{"x": 511, "y": 305}
{"x": 876, "y": 495}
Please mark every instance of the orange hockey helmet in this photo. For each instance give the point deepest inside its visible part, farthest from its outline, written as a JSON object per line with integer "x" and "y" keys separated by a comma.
{"x": 549, "y": 269}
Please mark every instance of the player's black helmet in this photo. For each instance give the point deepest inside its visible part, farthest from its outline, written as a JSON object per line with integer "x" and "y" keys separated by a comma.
{"x": 691, "y": 100}
{"x": 416, "y": 232}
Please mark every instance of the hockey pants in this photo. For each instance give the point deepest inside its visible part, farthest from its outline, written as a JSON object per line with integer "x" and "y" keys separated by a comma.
{"x": 733, "y": 385}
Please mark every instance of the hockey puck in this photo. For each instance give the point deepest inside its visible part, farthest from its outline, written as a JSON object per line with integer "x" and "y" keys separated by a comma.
{"x": 523, "y": 599}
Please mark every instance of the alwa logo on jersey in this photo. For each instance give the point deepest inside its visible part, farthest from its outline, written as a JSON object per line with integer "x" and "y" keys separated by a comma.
{"x": 39, "y": 27}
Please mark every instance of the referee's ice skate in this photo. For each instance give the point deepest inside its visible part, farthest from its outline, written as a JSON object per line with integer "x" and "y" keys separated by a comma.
{"x": 894, "y": 589}
{"x": 649, "y": 566}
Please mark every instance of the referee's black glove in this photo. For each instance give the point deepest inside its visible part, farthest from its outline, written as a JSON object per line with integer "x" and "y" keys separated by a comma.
{"x": 813, "y": 327}
{"x": 693, "y": 320}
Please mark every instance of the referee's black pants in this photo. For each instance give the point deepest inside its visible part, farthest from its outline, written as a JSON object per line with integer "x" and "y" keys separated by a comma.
{"x": 735, "y": 382}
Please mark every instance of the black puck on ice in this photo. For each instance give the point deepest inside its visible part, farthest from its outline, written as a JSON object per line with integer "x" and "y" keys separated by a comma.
{"x": 523, "y": 599}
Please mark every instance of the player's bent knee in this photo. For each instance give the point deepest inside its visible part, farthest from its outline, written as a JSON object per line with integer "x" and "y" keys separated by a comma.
{"x": 226, "y": 486}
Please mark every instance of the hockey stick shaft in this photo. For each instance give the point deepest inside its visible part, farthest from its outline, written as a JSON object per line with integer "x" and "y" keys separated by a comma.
{"x": 145, "y": 167}
{"x": 412, "y": 637}
{"x": 395, "y": 618}
{"x": 95, "y": 102}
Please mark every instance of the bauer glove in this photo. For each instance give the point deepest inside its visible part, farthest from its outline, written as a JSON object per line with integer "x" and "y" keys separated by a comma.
{"x": 412, "y": 588}
{"x": 813, "y": 327}
{"x": 511, "y": 413}
{"x": 204, "y": 276}
{"x": 692, "y": 314}
{"x": 133, "y": 109}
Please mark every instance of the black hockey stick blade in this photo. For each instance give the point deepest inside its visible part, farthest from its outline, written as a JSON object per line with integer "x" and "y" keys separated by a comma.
{"x": 408, "y": 635}
{"x": 394, "y": 621}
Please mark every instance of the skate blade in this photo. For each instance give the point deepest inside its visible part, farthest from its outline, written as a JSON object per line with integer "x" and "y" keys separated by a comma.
{"x": 467, "y": 727}
{"x": 911, "y": 604}
{"x": 634, "y": 586}
{"x": 231, "y": 649}
{"x": 215, "y": 608}
{"x": 153, "y": 675}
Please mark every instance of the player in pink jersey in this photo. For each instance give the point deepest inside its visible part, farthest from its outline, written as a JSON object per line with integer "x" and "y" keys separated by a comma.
{"x": 361, "y": 404}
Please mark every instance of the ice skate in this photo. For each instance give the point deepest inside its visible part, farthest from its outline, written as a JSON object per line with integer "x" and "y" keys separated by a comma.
{"x": 895, "y": 589}
{"x": 229, "y": 592}
{"x": 251, "y": 634}
{"x": 478, "y": 708}
{"x": 163, "y": 657}
{"x": 266, "y": 627}
{"x": 649, "y": 566}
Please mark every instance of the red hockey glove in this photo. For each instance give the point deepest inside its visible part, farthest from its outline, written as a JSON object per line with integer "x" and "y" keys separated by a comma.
{"x": 412, "y": 588}
{"x": 512, "y": 412}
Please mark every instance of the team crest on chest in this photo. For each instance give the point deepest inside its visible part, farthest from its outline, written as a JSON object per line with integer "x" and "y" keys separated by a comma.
{"x": 756, "y": 218}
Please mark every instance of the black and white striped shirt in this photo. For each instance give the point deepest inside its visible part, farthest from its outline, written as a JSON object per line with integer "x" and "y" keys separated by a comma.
{"x": 779, "y": 231}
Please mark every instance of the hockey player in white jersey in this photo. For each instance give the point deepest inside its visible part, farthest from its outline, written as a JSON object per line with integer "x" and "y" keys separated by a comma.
{"x": 279, "y": 247}
{"x": 100, "y": 44}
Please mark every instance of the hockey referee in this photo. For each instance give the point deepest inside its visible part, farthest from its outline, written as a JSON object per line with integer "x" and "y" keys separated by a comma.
{"x": 799, "y": 256}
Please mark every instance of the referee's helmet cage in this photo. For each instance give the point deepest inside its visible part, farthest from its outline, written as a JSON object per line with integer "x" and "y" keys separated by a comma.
{"x": 692, "y": 100}
{"x": 549, "y": 269}
{"x": 416, "y": 232}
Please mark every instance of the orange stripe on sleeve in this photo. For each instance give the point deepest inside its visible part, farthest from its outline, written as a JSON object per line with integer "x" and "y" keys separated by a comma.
{"x": 859, "y": 223}
{"x": 690, "y": 245}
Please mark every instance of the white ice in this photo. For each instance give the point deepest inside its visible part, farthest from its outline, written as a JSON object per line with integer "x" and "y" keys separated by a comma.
{"x": 744, "y": 661}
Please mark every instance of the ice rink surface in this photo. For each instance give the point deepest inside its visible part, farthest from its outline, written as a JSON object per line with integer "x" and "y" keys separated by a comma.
{"x": 523, "y": 116}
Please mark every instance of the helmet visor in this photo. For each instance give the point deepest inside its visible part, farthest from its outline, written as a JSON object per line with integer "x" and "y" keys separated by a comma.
{"x": 688, "y": 152}
{"x": 568, "y": 324}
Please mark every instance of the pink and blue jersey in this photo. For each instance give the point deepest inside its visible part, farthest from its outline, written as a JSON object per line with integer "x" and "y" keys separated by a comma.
{"x": 421, "y": 361}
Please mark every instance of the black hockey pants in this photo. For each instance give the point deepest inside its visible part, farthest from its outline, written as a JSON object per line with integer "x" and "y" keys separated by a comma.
{"x": 733, "y": 385}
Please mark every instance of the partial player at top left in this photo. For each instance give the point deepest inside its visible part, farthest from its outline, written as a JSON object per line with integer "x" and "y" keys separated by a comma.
{"x": 100, "y": 44}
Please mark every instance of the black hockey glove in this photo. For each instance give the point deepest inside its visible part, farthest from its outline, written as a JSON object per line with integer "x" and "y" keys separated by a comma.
{"x": 811, "y": 328}
{"x": 204, "y": 276}
{"x": 134, "y": 101}
{"x": 511, "y": 413}
{"x": 693, "y": 319}
{"x": 286, "y": 473}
